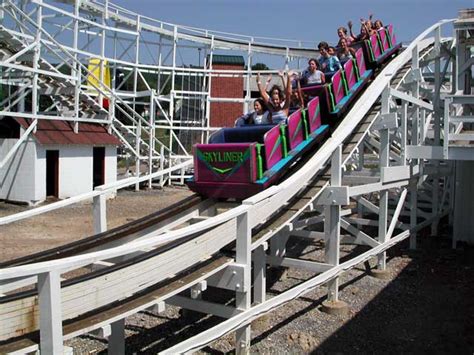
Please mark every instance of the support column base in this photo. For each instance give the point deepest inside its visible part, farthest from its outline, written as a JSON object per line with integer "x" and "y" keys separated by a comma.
{"x": 380, "y": 274}
{"x": 335, "y": 308}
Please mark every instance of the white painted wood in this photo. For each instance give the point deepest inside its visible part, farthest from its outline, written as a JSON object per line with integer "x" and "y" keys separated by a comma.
{"x": 409, "y": 98}
{"x": 332, "y": 225}
{"x": 100, "y": 214}
{"x": 394, "y": 173}
{"x": 369, "y": 188}
{"x": 334, "y": 195}
{"x": 299, "y": 263}
{"x": 203, "y": 306}
{"x": 117, "y": 338}
{"x": 259, "y": 274}
{"x": 308, "y": 234}
{"x": 17, "y": 144}
{"x": 424, "y": 152}
{"x": 386, "y": 121}
{"x": 360, "y": 236}
{"x": 396, "y": 214}
{"x": 81, "y": 298}
{"x": 18, "y": 181}
{"x": 51, "y": 335}
{"x": 228, "y": 278}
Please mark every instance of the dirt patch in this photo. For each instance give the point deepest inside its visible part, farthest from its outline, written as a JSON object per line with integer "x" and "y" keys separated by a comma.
{"x": 76, "y": 222}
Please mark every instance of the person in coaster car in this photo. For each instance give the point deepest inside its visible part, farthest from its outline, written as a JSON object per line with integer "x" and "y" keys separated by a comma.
{"x": 277, "y": 101}
{"x": 260, "y": 115}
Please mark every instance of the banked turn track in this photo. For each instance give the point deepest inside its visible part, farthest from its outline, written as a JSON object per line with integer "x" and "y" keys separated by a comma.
{"x": 143, "y": 264}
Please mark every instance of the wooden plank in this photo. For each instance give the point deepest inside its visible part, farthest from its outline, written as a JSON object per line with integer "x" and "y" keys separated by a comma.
{"x": 153, "y": 295}
{"x": 108, "y": 287}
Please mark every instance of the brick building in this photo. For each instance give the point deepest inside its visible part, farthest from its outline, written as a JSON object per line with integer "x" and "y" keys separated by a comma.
{"x": 223, "y": 114}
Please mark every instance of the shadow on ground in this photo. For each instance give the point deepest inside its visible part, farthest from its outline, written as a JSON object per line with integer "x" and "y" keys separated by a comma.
{"x": 428, "y": 308}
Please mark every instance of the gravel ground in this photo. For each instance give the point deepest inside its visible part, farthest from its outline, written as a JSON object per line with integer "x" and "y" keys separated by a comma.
{"x": 426, "y": 306}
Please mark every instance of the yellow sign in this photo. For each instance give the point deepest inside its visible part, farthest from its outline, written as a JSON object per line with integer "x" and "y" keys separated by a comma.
{"x": 97, "y": 67}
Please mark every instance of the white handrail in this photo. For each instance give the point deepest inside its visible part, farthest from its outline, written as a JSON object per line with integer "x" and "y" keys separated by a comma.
{"x": 100, "y": 190}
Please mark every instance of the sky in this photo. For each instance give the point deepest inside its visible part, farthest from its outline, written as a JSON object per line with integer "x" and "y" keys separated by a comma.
{"x": 306, "y": 20}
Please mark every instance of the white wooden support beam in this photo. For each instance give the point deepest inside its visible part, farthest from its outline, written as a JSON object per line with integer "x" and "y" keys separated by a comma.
{"x": 467, "y": 65}
{"x": 460, "y": 98}
{"x": 396, "y": 214}
{"x": 307, "y": 222}
{"x": 308, "y": 234}
{"x": 313, "y": 266}
{"x": 117, "y": 338}
{"x": 447, "y": 105}
{"x": 403, "y": 130}
{"x": 390, "y": 174}
{"x": 259, "y": 273}
{"x": 103, "y": 332}
{"x": 198, "y": 289}
{"x": 278, "y": 241}
{"x": 353, "y": 179}
{"x": 358, "y": 234}
{"x": 205, "y": 307}
{"x": 158, "y": 308}
{"x": 299, "y": 225}
{"x": 333, "y": 196}
{"x": 379, "y": 186}
{"x": 384, "y": 160}
{"x": 386, "y": 121}
{"x": 414, "y": 100}
{"x": 49, "y": 292}
{"x": 362, "y": 221}
{"x": 99, "y": 206}
{"x": 243, "y": 295}
{"x": 18, "y": 143}
{"x": 138, "y": 140}
{"x": 332, "y": 225}
{"x": 417, "y": 74}
{"x": 367, "y": 204}
{"x": 424, "y": 152}
{"x": 231, "y": 278}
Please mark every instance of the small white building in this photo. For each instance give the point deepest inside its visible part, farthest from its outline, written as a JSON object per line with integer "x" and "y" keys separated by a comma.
{"x": 55, "y": 161}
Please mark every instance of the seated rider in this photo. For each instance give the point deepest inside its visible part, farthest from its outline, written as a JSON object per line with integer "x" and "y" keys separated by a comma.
{"x": 329, "y": 62}
{"x": 345, "y": 52}
{"x": 342, "y": 34}
{"x": 277, "y": 102}
{"x": 312, "y": 75}
{"x": 260, "y": 115}
{"x": 364, "y": 32}
{"x": 378, "y": 25}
